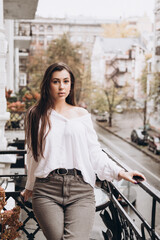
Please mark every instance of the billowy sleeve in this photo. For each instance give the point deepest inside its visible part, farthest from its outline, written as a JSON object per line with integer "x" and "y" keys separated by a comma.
{"x": 31, "y": 165}
{"x": 104, "y": 167}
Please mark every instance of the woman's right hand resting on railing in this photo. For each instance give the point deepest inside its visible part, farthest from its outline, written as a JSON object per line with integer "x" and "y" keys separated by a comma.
{"x": 26, "y": 194}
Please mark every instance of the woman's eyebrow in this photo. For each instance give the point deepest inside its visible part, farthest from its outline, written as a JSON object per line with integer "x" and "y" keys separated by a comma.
{"x": 59, "y": 78}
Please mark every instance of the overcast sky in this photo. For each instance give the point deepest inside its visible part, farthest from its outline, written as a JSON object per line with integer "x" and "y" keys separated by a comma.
{"x": 112, "y": 9}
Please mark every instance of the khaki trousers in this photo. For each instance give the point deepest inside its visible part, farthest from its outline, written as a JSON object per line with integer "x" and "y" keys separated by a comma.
{"x": 64, "y": 207}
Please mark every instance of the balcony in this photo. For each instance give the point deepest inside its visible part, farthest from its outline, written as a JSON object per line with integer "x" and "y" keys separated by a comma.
{"x": 111, "y": 61}
{"x": 122, "y": 69}
{"x": 20, "y": 9}
{"x": 112, "y": 74}
{"x": 22, "y": 36}
{"x": 118, "y": 221}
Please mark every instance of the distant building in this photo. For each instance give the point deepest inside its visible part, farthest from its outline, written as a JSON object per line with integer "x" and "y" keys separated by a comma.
{"x": 119, "y": 59}
{"x": 157, "y": 37}
{"x": 154, "y": 67}
{"x": 82, "y": 31}
{"x": 36, "y": 34}
{"x": 142, "y": 24}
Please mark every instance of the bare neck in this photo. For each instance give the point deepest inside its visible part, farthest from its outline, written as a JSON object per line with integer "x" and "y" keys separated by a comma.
{"x": 61, "y": 107}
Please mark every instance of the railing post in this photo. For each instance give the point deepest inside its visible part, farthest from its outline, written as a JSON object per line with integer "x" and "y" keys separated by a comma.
{"x": 153, "y": 215}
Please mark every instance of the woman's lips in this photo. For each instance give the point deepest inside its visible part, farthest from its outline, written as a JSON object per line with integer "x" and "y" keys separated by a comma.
{"x": 61, "y": 93}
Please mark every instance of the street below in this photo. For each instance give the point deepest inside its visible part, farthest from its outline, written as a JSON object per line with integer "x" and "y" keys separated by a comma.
{"x": 136, "y": 160}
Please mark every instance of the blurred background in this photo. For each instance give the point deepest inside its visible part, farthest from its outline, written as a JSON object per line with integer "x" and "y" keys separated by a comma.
{"x": 113, "y": 48}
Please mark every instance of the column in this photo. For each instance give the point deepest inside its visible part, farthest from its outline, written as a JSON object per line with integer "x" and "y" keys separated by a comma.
{"x": 4, "y": 115}
{"x": 9, "y": 31}
{"x": 16, "y": 62}
{"x": 5, "y": 160}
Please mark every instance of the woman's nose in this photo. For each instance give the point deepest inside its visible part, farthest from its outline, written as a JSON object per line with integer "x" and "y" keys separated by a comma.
{"x": 61, "y": 85}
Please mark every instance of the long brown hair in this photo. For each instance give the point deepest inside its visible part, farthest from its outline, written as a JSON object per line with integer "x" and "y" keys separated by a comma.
{"x": 37, "y": 117}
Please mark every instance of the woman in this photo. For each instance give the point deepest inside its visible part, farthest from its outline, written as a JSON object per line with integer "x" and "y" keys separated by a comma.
{"x": 63, "y": 157}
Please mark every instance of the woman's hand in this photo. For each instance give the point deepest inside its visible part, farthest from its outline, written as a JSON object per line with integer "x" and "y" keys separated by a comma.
{"x": 26, "y": 194}
{"x": 129, "y": 176}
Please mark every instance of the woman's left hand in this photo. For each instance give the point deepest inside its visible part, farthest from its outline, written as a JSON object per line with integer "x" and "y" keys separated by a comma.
{"x": 129, "y": 176}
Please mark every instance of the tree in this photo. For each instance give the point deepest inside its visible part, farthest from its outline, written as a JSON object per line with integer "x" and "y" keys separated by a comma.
{"x": 143, "y": 81}
{"x": 59, "y": 50}
{"x": 63, "y": 50}
{"x": 119, "y": 30}
{"x": 35, "y": 68}
{"x": 148, "y": 93}
{"x": 87, "y": 89}
{"x": 114, "y": 98}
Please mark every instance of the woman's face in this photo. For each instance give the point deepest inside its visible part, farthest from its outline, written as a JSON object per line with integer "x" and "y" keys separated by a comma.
{"x": 60, "y": 85}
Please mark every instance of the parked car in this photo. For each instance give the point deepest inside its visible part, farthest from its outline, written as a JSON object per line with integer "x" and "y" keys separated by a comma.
{"x": 103, "y": 117}
{"x": 119, "y": 109}
{"x": 154, "y": 143}
{"x": 128, "y": 190}
{"x": 139, "y": 136}
{"x": 95, "y": 111}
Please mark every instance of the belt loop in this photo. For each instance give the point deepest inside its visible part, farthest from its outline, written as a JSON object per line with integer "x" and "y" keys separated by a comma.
{"x": 75, "y": 172}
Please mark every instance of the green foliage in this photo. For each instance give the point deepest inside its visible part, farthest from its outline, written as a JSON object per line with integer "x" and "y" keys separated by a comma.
{"x": 156, "y": 83}
{"x": 35, "y": 68}
{"x": 59, "y": 50}
{"x": 115, "y": 96}
{"x": 100, "y": 101}
{"x": 92, "y": 95}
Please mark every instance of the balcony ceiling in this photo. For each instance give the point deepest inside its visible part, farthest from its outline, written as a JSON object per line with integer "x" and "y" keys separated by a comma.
{"x": 20, "y": 9}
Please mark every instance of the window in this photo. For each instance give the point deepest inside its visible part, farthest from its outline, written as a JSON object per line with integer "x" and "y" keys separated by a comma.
{"x": 89, "y": 39}
{"x": 22, "y": 79}
{"x": 33, "y": 39}
{"x": 49, "y": 38}
{"x": 49, "y": 28}
{"x": 157, "y": 51}
{"x": 41, "y": 28}
{"x": 79, "y": 39}
{"x": 33, "y": 27}
{"x": 41, "y": 39}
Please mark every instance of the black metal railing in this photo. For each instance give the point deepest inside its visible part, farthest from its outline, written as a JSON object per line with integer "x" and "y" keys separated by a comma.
{"x": 119, "y": 223}
{"x": 16, "y": 121}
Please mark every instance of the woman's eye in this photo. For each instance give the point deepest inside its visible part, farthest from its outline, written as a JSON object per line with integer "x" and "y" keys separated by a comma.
{"x": 66, "y": 81}
{"x": 55, "y": 82}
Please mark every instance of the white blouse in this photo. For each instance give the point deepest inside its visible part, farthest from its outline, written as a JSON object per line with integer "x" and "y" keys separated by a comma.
{"x": 72, "y": 143}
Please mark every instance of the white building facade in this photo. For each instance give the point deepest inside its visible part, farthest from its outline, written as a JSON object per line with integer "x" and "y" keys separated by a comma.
{"x": 81, "y": 31}
{"x": 153, "y": 68}
{"x": 119, "y": 59}
{"x": 9, "y": 10}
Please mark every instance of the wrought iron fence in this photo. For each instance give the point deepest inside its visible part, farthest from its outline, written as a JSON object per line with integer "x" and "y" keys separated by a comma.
{"x": 118, "y": 222}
